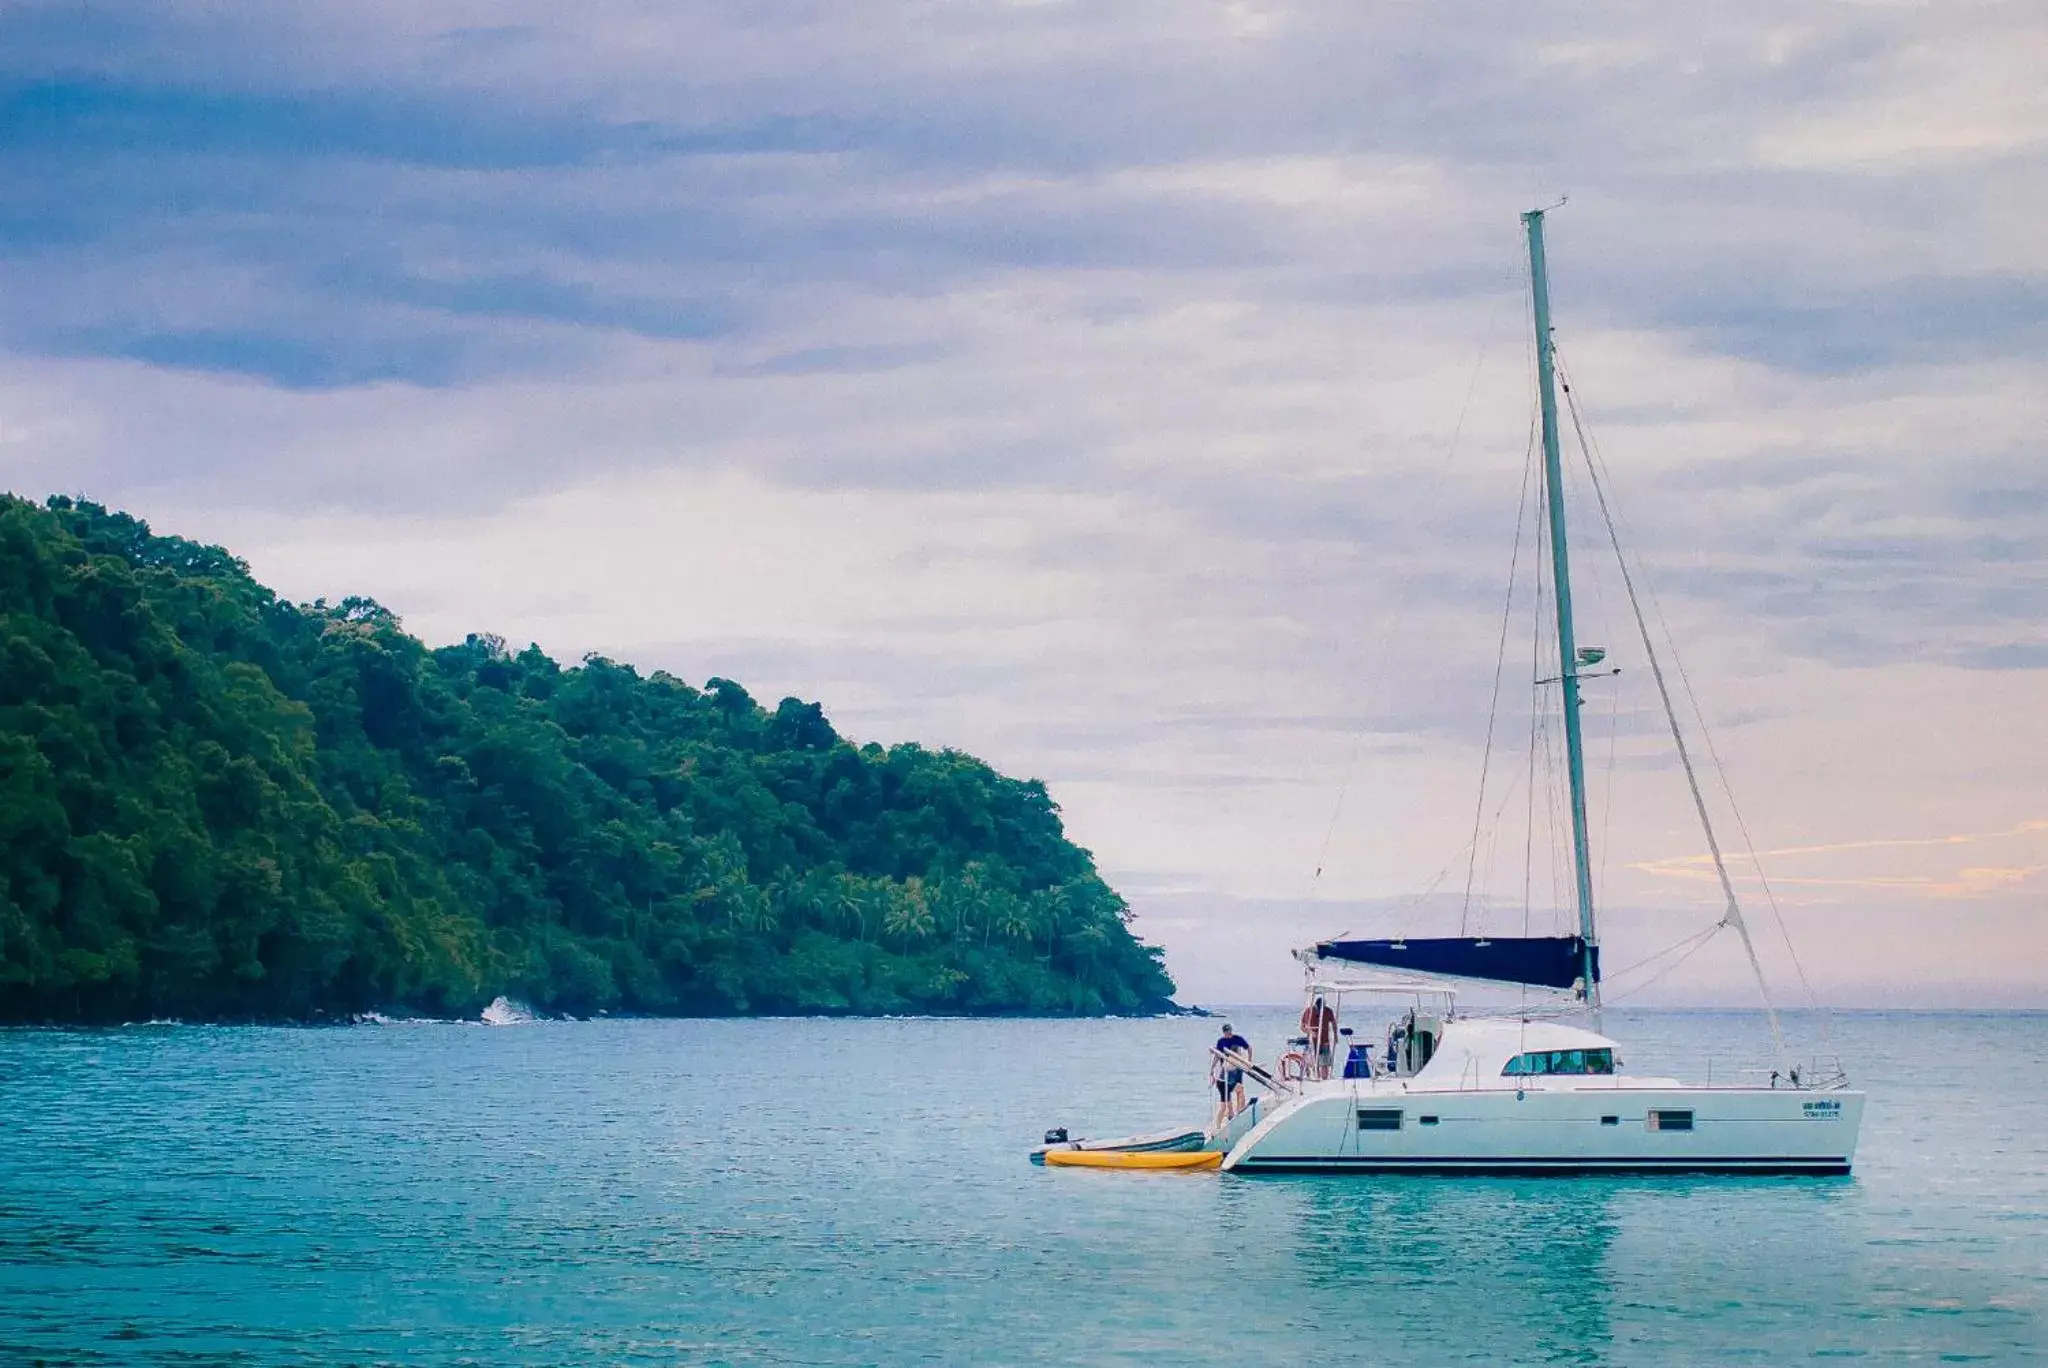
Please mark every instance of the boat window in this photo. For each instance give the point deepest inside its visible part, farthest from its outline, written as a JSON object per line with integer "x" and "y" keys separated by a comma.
{"x": 1379, "y": 1118}
{"x": 1610, "y": 1120}
{"x": 1671, "y": 1120}
{"x": 1427, "y": 1120}
{"x": 1561, "y": 1062}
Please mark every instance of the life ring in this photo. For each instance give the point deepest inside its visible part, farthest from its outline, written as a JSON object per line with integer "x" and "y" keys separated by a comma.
{"x": 1297, "y": 1062}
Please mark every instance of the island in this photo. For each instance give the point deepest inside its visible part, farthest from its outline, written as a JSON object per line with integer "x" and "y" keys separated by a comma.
{"x": 218, "y": 805}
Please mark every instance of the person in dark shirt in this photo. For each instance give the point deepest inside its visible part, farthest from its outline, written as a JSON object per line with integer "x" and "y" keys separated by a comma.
{"x": 1226, "y": 1070}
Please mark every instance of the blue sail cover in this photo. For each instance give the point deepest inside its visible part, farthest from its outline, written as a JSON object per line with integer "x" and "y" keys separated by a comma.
{"x": 1539, "y": 961}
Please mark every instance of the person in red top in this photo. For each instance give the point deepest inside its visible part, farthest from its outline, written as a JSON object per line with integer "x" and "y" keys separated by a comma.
{"x": 1319, "y": 1024}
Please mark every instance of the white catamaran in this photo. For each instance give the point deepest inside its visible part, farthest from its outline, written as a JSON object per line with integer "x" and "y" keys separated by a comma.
{"x": 1521, "y": 1093}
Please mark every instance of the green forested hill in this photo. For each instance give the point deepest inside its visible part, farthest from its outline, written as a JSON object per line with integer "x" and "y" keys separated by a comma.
{"x": 216, "y": 804}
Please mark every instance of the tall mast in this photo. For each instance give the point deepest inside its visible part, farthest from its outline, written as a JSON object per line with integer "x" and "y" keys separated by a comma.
{"x": 1561, "y": 579}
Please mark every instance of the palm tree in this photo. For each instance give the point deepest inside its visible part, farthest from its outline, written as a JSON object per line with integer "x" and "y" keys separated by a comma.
{"x": 1012, "y": 919}
{"x": 910, "y": 914}
{"x": 814, "y": 900}
{"x": 1055, "y": 908}
{"x": 850, "y": 899}
{"x": 970, "y": 895}
{"x": 1087, "y": 945}
{"x": 754, "y": 910}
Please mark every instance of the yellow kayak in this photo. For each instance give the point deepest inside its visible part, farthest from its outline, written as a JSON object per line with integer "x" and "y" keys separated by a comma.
{"x": 1125, "y": 1159}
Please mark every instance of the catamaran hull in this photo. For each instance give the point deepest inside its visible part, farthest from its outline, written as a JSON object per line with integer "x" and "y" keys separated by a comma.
{"x": 1550, "y": 1168}
{"x": 1589, "y": 1130}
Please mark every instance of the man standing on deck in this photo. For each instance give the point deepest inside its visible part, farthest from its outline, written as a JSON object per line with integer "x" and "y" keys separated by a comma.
{"x": 1319, "y": 1024}
{"x": 1226, "y": 1069}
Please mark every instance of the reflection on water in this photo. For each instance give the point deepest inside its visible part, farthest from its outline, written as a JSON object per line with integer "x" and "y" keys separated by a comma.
{"x": 855, "y": 1192}
{"x": 1428, "y": 1253}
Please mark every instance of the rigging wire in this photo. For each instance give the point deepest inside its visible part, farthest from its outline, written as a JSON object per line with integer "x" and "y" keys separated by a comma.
{"x": 1733, "y": 916}
{"x": 1603, "y": 621}
{"x": 1597, "y": 464}
{"x": 1552, "y": 734}
{"x": 1670, "y": 949}
{"x": 1399, "y": 616}
{"x": 1699, "y": 943}
{"x": 1507, "y": 611}
{"x": 1535, "y": 734}
{"x": 1491, "y": 828}
{"x": 1713, "y": 930}
{"x": 1607, "y": 784}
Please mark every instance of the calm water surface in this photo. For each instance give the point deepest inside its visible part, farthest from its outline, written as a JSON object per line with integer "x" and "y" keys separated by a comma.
{"x": 799, "y": 1192}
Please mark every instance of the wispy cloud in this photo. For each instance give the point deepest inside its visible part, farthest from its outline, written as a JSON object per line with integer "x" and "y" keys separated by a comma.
{"x": 1876, "y": 873}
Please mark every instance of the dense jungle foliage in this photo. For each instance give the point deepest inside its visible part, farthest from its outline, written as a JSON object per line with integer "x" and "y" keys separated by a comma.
{"x": 217, "y": 804}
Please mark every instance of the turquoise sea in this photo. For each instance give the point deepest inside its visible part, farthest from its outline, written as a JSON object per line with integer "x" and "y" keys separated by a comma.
{"x": 856, "y": 1192}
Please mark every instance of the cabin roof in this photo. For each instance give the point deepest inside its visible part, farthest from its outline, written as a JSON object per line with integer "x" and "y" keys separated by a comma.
{"x": 1490, "y": 1043}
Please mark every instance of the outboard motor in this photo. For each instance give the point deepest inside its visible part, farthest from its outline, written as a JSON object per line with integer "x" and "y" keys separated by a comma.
{"x": 1056, "y": 1136}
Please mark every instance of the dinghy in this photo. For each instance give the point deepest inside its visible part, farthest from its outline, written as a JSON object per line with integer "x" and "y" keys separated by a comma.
{"x": 1157, "y": 1142}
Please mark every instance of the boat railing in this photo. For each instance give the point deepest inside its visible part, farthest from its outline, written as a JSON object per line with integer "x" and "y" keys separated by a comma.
{"x": 1253, "y": 1071}
{"x": 1824, "y": 1073}
{"x": 1821, "y": 1073}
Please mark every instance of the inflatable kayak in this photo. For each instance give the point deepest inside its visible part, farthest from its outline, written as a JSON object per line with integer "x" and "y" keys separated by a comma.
{"x": 1134, "y": 1159}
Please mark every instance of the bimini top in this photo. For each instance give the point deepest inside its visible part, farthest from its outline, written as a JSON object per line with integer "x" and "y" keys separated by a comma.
{"x": 1538, "y": 961}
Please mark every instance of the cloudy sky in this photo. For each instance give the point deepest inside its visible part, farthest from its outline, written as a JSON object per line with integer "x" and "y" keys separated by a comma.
{"x": 1135, "y": 395}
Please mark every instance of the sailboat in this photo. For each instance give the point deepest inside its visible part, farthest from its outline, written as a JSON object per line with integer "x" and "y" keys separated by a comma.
{"x": 1522, "y": 1092}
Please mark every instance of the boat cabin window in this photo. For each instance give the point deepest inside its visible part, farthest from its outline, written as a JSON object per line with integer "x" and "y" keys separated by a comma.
{"x": 1379, "y": 1118}
{"x": 1670, "y": 1120}
{"x": 1561, "y": 1062}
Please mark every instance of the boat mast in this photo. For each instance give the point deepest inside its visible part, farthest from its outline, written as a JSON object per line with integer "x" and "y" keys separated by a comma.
{"x": 1561, "y": 579}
